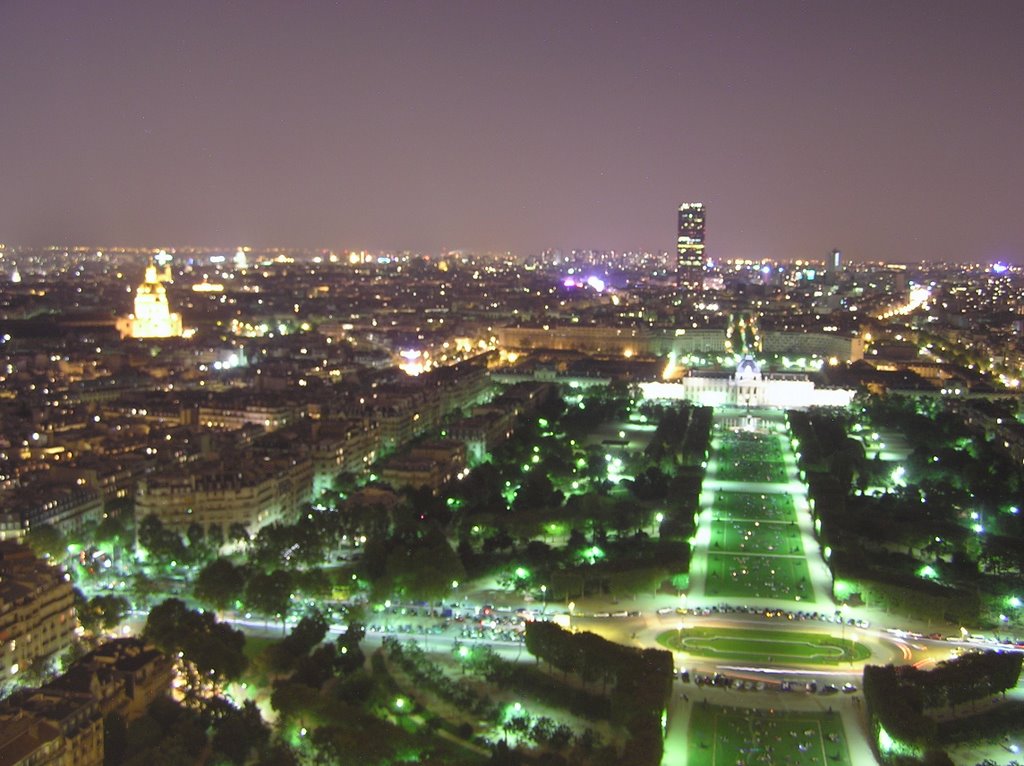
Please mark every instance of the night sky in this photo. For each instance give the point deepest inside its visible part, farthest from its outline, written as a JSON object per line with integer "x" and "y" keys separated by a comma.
{"x": 890, "y": 130}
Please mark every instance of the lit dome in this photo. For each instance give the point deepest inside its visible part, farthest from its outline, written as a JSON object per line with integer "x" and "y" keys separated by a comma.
{"x": 748, "y": 369}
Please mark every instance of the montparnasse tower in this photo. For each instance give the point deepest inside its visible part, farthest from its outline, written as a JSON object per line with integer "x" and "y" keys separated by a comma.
{"x": 153, "y": 317}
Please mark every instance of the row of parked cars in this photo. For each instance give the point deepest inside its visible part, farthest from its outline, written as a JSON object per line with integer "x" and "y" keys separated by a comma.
{"x": 723, "y": 681}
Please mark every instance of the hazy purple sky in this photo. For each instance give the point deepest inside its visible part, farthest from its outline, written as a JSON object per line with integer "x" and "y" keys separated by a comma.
{"x": 889, "y": 129}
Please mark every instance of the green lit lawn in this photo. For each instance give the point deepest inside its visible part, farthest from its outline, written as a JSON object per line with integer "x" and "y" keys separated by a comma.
{"x": 750, "y": 576}
{"x": 753, "y": 506}
{"x": 725, "y": 736}
{"x": 742, "y": 456}
{"x": 750, "y": 470}
{"x": 254, "y": 645}
{"x": 764, "y": 644}
{"x": 743, "y": 445}
{"x": 755, "y": 537}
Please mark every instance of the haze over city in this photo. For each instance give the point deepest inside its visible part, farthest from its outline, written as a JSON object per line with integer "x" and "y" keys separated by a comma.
{"x": 511, "y": 384}
{"x": 888, "y": 130}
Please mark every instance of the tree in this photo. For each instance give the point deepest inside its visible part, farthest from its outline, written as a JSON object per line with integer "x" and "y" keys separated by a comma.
{"x": 85, "y": 615}
{"x": 652, "y": 484}
{"x": 213, "y": 649}
{"x": 196, "y": 540}
{"x": 239, "y": 732}
{"x": 481, "y": 490}
{"x": 143, "y": 589}
{"x": 110, "y": 611}
{"x": 536, "y": 492}
{"x": 102, "y": 612}
{"x": 316, "y": 669}
{"x": 215, "y": 538}
{"x": 350, "y": 657}
{"x": 111, "y": 530}
{"x": 46, "y": 541}
{"x": 219, "y": 584}
{"x": 238, "y": 533}
{"x": 269, "y": 594}
{"x": 636, "y": 580}
{"x": 425, "y": 568}
{"x": 345, "y": 482}
{"x": 167, "y": 734}
{"x": 309, "y": 632}
{"x": 164, "y": 545}
{"x": 277, "y": 754}
{"x": 294, "y": 702}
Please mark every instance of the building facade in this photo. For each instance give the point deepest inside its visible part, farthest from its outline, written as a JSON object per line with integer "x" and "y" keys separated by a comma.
{"x": 250, "y": 492}
{"x": 37, "y": 615}
{"x": 748, "y": 387}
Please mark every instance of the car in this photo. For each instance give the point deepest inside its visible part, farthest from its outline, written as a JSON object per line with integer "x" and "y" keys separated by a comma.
{"x": 665, "y": 610}
{"x": 829, "y": 689}
{"x": 684, "y": 676}
{"x": 811, "y": 687}
{"x": 849, "y": 688}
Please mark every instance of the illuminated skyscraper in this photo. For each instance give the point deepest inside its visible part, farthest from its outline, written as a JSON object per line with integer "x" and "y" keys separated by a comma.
{"x": 690, "y": 245}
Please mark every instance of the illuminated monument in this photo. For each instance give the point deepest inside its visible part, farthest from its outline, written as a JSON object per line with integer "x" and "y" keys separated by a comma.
{"x": 152, "y": 317}
{"x": 748, "y": 387}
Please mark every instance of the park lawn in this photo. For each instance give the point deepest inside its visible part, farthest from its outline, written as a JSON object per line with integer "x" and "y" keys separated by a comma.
{"x": 755, "y": 537}
{"x": 254, "y": 645}
{"x": 759, "y": 644}
{"x": 724, "y": 736}
{"x": 758, "y": 577}
{"x": 761, "y": 472}
{"x": 753, "y": 506}
{"x": 768, "y": 447}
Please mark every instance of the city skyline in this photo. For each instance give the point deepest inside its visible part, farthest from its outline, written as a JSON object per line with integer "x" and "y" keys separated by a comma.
{"x": 490, "y": 128}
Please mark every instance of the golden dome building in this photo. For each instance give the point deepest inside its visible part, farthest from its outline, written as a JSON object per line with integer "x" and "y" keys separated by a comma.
{"x": 153, "y": 317}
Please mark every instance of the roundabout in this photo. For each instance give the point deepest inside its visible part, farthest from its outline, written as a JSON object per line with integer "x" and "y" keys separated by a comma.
{"x": 764, "y": 646}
